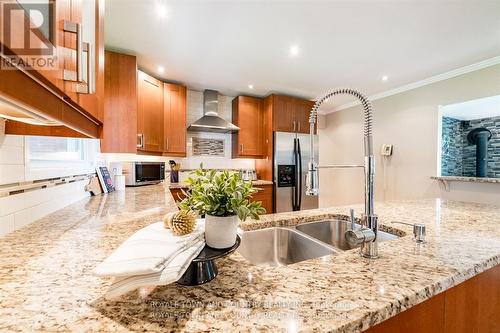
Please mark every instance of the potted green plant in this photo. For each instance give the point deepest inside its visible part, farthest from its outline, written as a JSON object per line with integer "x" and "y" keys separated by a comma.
{"x": 224, "y": 198}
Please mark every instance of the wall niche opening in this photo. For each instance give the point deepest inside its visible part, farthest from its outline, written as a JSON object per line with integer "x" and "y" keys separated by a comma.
{"x": 470, "y": 139}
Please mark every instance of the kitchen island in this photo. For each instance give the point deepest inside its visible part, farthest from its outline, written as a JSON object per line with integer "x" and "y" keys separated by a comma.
{"x": 46, "y": 280}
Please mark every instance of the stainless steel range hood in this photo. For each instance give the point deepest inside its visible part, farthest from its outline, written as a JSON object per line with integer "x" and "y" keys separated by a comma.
{"x": 211, "y": 121}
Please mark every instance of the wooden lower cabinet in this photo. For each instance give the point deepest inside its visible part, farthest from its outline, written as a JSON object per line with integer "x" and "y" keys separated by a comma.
{"x": 265, "y": 195}
{"x": 470, "y": 307}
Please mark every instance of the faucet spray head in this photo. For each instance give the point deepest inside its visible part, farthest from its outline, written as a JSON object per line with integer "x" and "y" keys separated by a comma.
{"x": 312, "y": 188}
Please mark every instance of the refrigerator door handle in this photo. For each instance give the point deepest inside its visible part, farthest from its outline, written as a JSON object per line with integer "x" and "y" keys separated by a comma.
{"x": 294, "y": 193}
{"x": 299, "y": 175}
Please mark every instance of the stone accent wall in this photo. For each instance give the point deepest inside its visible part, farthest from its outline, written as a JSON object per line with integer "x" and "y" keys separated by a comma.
{"x": 469, "y": 150}
{"x": 451, "y": 147}
{"x": 458, "y": 156}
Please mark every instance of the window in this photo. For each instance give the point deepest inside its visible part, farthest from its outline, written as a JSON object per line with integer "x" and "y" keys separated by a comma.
{"x": 45, "y": 149}
{"x": 48, "y": 157}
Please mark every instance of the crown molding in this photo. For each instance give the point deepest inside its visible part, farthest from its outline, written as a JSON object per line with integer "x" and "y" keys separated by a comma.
{"x": 433, "y": 79}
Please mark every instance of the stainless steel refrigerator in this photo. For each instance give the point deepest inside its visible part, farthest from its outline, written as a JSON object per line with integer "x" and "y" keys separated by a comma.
{"x": 291, "y": 155}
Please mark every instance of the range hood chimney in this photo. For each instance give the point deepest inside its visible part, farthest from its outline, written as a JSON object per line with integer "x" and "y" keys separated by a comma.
{"x": 211, "y": 121}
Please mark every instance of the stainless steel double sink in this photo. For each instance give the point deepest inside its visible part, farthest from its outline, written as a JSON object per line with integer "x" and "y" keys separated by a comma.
{"x": 279, "y": 246}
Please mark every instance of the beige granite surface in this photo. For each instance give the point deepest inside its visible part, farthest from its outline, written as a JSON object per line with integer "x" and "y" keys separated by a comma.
{"x": 46, "y": 282}
{"x": 467, "y": 179}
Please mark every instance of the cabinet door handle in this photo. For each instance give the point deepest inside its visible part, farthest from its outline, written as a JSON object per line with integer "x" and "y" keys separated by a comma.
{"x": 241, "y": 148}
{"x": 166, "y": 143}
{"x": 88, "y": 87}
{"x": 141, "y": 140}
{"x": 299, "y": 126}
{"x": 294, "y": 125}
{"x": 75, "y": 28}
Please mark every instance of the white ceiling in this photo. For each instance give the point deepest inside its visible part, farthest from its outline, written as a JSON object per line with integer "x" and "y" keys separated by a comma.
{"x": 227, "y": 45}
{"x": 476, "y": 109}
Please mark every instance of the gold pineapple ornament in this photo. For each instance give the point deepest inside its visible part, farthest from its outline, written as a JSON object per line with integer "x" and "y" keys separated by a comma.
{"x": 182, "y": 222}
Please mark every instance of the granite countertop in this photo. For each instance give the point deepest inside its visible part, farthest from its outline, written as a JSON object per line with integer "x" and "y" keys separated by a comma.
{"x": 46, "y": 282}
{"x": 467, "y": 179}
{"x": 185, "y": 185}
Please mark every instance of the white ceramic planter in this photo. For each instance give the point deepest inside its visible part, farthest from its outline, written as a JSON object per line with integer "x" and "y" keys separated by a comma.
{"x": 220, "y": 232}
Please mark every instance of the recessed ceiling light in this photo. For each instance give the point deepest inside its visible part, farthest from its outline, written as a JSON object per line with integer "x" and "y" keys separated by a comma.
{"x": 250, "y": 86}
{"x": 294, "y": 50}
{"x": 161, "y": 69}
{"x": 385, "y": 78}
{"x": 161, "y": 10}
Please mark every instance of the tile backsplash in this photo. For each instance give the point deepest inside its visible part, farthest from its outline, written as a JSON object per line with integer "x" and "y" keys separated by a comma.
{"x": 24, "y": 199}
{"x": 208, "y": 147}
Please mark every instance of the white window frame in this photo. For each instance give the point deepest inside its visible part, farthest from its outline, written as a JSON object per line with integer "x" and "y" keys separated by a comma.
{"x": 62, "y": 168}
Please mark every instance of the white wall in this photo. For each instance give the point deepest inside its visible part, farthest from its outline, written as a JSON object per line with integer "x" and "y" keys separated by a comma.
{"x": 409, "y": 121}
{"x": 194, "y": 112}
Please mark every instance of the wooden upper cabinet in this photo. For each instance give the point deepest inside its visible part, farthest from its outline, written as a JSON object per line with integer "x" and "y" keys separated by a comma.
{"x": 150, "y": 114}
{"x": 142, "y": 114}
{"x": 301, "y": 114}
{"x": 81, "y": 27}
{"x": 70, "y": 18}
{"x": 174, "y": 114}
{"x": 51, "y": 69}
{"x": 283, "y": 111}
{"x": 291, "y": 114}
{"x": 92, "y": 18}
{"x": 248, "y": 116}
{"x": 119, "y": 133}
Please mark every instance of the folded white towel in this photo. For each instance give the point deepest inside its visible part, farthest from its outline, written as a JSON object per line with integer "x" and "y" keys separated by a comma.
{"x": 149, "y": 251}
{"x": 173, "y": 272}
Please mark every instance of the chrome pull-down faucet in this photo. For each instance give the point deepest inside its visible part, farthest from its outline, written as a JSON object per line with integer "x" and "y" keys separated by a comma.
{"x": 367, "y": 234}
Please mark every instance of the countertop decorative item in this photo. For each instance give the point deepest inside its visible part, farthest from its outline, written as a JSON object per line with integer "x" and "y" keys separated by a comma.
{"x": 182, "y": 222}
{"x": 105, "y": 179}
{"x": 224, "y": 199}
